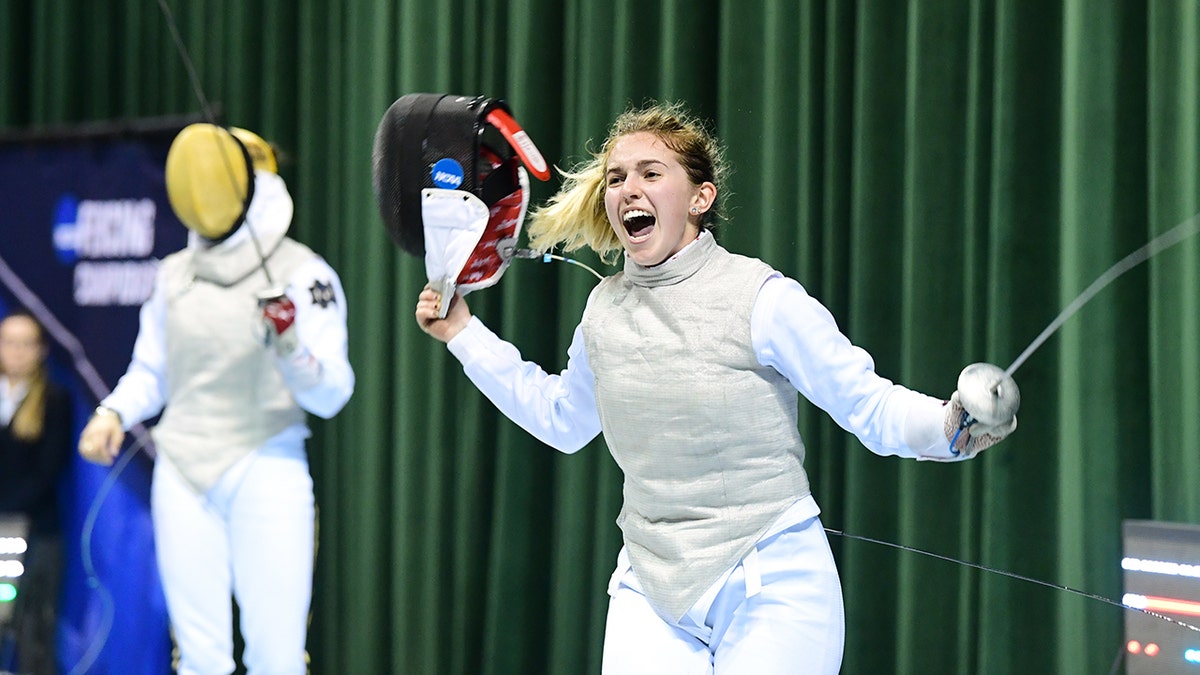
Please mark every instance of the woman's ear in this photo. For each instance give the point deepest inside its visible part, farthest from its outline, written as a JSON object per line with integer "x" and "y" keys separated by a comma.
{"x": 706, "y": 195}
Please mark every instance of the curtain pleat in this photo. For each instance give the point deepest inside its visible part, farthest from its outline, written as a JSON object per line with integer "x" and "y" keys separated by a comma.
{"x": 944, "y": 176}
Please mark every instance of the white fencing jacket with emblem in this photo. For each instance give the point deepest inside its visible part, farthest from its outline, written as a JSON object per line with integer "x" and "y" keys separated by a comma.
{"x": 200, "y": 357}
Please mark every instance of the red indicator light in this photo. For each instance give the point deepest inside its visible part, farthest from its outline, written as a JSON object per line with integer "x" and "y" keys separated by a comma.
{"x": 1133, "y": 647}
{"x": 1151, "y": 649}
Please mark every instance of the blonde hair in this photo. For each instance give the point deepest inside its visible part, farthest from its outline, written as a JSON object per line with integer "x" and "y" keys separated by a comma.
{"x": 28, "y": 421}
{"x": 575, "y": 217}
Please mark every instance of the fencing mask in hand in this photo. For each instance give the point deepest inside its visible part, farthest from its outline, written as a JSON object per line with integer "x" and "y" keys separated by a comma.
{"x": 451, "y": 183}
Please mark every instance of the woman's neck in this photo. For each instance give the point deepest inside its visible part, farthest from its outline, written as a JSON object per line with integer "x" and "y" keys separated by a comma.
{"x": 15, "y": 383}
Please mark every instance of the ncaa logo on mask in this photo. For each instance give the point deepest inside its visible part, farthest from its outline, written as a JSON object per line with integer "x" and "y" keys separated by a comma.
{"x": 447, "y": 174}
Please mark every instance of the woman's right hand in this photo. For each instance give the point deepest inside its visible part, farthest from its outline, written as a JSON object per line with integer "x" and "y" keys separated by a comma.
{"x": 428, "y": 305}
{"x": 101, "y": 439}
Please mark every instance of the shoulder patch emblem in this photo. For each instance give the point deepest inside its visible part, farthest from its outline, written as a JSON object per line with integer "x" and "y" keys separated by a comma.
{"x": 322, "y": 294}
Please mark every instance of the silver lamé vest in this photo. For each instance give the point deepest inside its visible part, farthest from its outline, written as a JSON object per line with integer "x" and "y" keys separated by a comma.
{"x": 705, "y": 435}
{"x": 225, "y": 396}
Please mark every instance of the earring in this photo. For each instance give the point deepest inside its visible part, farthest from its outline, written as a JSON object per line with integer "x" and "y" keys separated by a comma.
{"x": 695, "y": 210}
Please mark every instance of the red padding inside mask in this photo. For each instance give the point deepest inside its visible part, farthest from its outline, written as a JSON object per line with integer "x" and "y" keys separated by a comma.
{"x": 486, "y": 261}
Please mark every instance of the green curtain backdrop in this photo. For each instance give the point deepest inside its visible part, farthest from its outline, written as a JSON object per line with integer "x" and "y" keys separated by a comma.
{"x": 946, "y": 175}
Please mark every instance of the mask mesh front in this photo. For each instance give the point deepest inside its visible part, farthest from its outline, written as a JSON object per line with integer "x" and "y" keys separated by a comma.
{"x": 416, "y": 133}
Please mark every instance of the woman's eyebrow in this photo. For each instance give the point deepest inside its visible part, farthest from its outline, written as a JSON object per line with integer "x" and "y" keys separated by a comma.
{"x": 640, "y": 165}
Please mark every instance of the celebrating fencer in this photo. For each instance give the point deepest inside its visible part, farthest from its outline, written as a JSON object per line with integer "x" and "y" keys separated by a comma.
{"x": 688, "y": 361}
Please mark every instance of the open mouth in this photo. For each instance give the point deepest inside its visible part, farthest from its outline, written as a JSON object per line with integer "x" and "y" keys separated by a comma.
{"x": 638, "y": 223}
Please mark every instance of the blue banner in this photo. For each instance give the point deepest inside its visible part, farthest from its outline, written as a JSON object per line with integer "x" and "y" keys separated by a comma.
{"x": 83, "y": 222}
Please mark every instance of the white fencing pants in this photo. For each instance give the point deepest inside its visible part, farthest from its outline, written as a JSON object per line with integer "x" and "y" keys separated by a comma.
{"x": 777, "y": 612}
{"x": 249, "y": 537}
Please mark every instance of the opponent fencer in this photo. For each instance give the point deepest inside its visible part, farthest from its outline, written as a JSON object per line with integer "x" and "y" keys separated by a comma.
{"x": 244, "y": 334}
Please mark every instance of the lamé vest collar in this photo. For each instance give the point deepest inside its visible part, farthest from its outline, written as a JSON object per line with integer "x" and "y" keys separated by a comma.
{"x": 675, "y": 269}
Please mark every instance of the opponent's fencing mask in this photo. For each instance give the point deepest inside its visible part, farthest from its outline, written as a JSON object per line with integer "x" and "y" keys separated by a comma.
{"x": 210, "y": 176}
{"x": 451, "y": 186}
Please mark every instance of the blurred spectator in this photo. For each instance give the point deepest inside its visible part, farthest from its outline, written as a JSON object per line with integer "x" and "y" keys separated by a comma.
{"x": 35, "y": 448}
